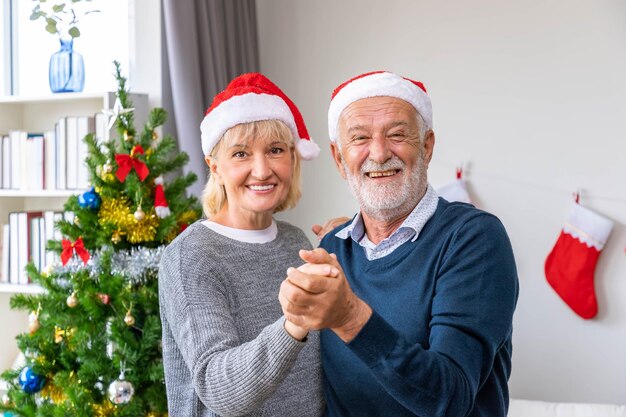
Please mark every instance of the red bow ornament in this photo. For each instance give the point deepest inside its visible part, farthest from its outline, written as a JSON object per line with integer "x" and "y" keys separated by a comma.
{"x": 127, "y": 162}
{"x": 70, "y": 248}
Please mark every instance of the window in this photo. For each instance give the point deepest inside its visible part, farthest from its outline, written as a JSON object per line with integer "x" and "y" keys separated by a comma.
{"x": 104, "y": 38}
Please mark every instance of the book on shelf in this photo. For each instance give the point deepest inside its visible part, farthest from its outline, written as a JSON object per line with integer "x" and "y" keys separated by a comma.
{"x": 25, "y": 239}
{"x": 32, "y": 162}
{"x": 84, "y": 126}
{"x": 15, "y": 137}
{"x": 13, "y": 249}
{"x": 6, "y": 162}
{"x": 25, "y": 242}
{"x": 50, "y": 160}
{"x": 71, "y": 162}
{"x": 61, "y": 154}
{"x": 4, "y": 273}
{"x": 101, "y": 122}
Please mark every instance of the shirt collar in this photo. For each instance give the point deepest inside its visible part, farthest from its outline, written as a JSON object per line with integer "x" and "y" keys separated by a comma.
{"x": 415, "y": 221}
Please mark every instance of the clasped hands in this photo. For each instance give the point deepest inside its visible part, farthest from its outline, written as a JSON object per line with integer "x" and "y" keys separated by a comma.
{"x": 317, "y": 296}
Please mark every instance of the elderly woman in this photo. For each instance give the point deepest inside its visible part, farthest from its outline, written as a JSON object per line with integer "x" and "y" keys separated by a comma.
{"x": 227, "y": 349}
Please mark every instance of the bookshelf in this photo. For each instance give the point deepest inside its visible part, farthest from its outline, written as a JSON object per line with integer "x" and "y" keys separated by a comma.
{"x": 40, "y": 114}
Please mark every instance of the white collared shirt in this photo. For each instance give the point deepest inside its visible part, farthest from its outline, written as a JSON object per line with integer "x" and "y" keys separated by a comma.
{"x": 408, "y": 230}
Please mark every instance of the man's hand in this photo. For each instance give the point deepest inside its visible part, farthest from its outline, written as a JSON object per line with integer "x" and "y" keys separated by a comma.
{"x": 321, "y": 231}
{"x": 317, "y": 296}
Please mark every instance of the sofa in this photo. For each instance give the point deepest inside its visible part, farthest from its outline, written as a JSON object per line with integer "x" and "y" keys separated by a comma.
{"x": 528, "y": 408}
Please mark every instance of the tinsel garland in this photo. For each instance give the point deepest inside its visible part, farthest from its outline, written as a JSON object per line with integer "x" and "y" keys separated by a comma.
{"x": 104, "y": 409}
{"x": 53, "y": 393}
{"x": 137, "y": 265}
{"x": 107, "y": 409}
{"x": 117, "y": 212}
{"x": 187, "y": 217}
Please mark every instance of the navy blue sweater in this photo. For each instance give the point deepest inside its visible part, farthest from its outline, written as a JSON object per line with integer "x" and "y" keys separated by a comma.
{"x": 439, "y": 340}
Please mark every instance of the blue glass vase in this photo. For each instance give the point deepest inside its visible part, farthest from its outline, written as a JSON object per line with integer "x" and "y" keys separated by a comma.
{"x": 67, "y": 69}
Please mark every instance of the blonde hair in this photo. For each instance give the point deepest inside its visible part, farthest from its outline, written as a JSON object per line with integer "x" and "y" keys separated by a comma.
{"x": 214, "y": 196}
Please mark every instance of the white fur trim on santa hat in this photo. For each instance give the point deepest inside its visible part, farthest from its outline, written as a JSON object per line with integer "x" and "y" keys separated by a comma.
{"x": 244, "y": 108}
{"x": 587, "y": 226}
{"x": 307, "y": 149}
{"x": 377, "y": 85}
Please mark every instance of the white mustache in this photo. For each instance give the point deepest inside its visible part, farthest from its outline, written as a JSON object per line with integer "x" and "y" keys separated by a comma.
{"x": 393, "y": 163}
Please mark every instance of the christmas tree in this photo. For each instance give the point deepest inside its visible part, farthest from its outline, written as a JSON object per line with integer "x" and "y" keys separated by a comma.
{"x": 94, "y": 347}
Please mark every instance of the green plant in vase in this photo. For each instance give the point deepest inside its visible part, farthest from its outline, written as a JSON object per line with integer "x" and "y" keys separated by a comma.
{"x": 67, "y": 69}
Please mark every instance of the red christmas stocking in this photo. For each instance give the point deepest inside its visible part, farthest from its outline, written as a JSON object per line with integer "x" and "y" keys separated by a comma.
{"x": 571, "y": 264}
{"x": 455, "y": 190}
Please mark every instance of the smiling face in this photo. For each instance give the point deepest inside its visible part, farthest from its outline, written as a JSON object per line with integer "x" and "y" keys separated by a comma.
{"x": 384, "y": 155}
{"x": 256, "y": 174}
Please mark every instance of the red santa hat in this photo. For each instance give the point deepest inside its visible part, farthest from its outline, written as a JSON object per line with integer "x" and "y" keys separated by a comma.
{"x": 378, "y": 84}
{"x": 160, "y": 203}
{"x": 251, "y": 98}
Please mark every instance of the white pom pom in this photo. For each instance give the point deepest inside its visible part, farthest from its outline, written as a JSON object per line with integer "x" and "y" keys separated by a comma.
{"x": 158, "y": 180}
{"x": 308, "y": 149}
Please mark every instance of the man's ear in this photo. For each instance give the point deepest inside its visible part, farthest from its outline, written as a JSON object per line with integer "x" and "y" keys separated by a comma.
{"x": 428, "y": 145}
{"x": 334, "y": 149}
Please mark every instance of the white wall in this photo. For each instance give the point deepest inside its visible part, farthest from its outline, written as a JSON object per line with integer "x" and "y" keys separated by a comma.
{"x": 531, "y": 96}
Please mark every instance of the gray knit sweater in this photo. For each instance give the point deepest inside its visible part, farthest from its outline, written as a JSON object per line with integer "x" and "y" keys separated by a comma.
{"x": 225, "y": 349}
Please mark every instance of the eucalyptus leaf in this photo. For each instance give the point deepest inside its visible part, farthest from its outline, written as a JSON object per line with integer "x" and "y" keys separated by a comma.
{"x": 36, "y": 15}
{"x": 74, "y": 32}
{"x": 58, "y": 7}
{"x": 52, "y": 27}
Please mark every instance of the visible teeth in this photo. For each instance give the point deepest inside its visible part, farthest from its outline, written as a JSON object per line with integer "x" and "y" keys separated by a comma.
{"x": 382, "y": 174}
{"x": 261, "y": 187}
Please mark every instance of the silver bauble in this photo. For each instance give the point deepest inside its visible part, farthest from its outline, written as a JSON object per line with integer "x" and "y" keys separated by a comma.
{"x": 120, "y": 392}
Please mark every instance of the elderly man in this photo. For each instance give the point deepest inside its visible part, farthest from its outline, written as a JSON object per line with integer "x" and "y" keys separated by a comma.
{"x": 416, "y": 294}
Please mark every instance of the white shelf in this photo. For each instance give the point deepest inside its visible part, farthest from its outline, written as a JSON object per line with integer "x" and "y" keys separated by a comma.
{"x": 20, "y": 288}
{"x": 48, "y": 98}
{"x": 39, "y": 193}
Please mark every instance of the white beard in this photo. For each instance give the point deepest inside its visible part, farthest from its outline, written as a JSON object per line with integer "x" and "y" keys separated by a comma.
{"x": 391, "y": 200}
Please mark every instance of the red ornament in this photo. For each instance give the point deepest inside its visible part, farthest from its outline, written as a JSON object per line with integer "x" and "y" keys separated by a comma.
{"x": 127, "y": 162}
{"x": 70, "y": 248}
{"x": 105, "y": 298}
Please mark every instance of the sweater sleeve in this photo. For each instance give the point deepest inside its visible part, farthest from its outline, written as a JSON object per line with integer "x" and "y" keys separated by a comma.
{"x": 230, "y": 377}
{"x": 472, "y": 309}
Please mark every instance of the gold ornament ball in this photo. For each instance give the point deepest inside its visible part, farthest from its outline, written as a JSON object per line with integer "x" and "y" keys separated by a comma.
{"x": 129, "y": 319}
{"x": 127, "y": 137}
{"x": 107, "y": 168}
{"x": 72, "y": 300}
{"x": 139, "y": 214}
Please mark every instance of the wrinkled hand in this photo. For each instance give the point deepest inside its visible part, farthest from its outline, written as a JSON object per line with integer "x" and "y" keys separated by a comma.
{"x": 317, "y": 295}
{"x": 321, "y": 231}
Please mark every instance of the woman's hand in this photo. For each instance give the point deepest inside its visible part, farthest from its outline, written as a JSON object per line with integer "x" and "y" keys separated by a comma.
{"x": 297, "y": 332}
{"x": 321, "y": 231}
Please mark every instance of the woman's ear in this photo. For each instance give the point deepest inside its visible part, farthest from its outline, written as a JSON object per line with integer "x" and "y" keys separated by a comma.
{"x": 211, "y": 161}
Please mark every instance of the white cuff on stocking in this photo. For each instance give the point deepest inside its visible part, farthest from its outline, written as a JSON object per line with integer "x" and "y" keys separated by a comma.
{"x": 590, "y": 228}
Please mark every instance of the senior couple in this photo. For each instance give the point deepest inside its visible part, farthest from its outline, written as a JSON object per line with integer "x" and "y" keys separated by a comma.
{"x": 413, "y": 297}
